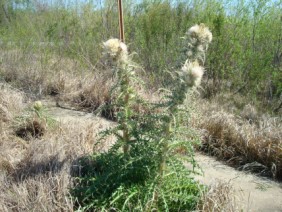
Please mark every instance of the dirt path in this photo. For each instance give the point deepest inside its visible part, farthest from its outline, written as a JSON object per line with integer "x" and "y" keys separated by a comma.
{"x": 254, "y": 194}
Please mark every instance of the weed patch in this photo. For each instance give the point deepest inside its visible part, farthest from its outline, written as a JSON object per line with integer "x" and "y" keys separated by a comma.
{"x": 142, "y": 170}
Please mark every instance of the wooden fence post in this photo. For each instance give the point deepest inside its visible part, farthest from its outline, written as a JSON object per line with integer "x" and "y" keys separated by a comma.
{"x": 121, "y": 26}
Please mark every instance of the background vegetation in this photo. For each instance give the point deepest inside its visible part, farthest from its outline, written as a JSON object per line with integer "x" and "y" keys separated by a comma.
{"x": 245, "y": 56}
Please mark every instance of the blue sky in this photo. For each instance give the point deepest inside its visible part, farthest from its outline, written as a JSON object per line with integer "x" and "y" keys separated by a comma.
{"x": 99, "y": 3}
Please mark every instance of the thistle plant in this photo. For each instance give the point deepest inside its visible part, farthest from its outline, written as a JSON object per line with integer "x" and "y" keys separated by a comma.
{"x": 197, "y": 39}
{"x": 147, "y": 175}
{"x": 38, "y": 108}
{"x": 105, "y": 184}
{"x": 116, "y": 51}
{"x": 34, "y": 122}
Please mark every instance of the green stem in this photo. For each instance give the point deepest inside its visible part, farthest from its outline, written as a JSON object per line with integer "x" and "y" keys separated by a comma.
{"x": 126, "y": 137}
{"x": 165, "y": 148}
{"x": 125, "y": 126}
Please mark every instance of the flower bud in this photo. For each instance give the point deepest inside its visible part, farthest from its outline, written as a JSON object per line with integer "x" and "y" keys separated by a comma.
{"x": 37, "y": 105}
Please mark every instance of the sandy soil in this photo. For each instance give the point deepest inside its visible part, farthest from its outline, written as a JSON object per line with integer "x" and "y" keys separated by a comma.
{"x": 253, "y": 194}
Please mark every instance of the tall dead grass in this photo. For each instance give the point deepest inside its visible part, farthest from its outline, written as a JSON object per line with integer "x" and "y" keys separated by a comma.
{"x": 41, "y": 73}
{"x": 39, "y": 176}
{"x": 220, "y": 196}
{"x": 36, "y": 175}
{"x": 247, "y": 140}
{"x": 11, "y": 102}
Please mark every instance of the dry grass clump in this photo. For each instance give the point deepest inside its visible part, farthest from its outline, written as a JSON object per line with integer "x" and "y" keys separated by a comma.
{"x": 38, "y": 173}
{"x": 251, "y": 146}
{"x": 93, "y": 93}
{"x": 33, "y": 122}
{"x": 12, "y": 150}
{"x": 5, "y": 165}
{"x": 98, "y": 95}
{"x": 11, "y": 102}
{"x": 32, "y": 128}
{"x": 219, "y": 197}
{"x": 250, "y": 113}
{"x": 39, "y": 73}
{"x": 233, "y": 103}
{"x": 4, "y": 114}
{"x": 61, "y": 83}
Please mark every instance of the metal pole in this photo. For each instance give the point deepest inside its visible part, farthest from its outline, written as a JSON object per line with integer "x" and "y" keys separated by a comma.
{"x": 121, "y": 26}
